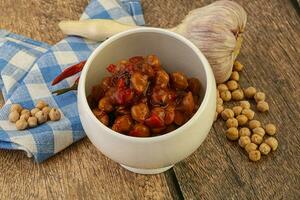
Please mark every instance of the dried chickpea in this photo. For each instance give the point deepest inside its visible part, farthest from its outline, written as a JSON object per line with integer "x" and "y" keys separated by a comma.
{"x": 244, "y": 140}
{"x": 227, "y": 113}
{"x": 54, "y": 114}
{"x": 254, "y": 124}
{"x": 250, "y": 147}
{"x": 244, "y": 131}
{"x": 16, "y": 107}
{"x": 14, "y": 116}
{"x": 219, "y": 101}
{"x": 216, "y": 116}
{"x": 218, "y": 94}
{"x": 222, "y": 87}
{"x": 259, "y": 131}
{"x": 272, "y": 142}
{"x": 32, "y": 122}
{"x": 105, "y": 104}
{"x": 225, "y": 95}
{"x": 21, "y": 124}
{"x": 237, "y": 110}
{"x": 270, "y": 129}
{"x": 235, "y": 76}
{"x": 237, "y": 95}
{"x": 259, "y": 96}
{"x": 25, "y": 116}
{"x": 264, "y": 148}
{"x": 41, "y": 104}
{"x": 254, "y": 155}
{"x": 248, "y": 113}
{"x": 249, "y": 92}
{"x": 34, "y": 111}
{"x": 231, "y": 122}
{"x": 232, "y": 133}
{"x": 25, "y": 111}
{"x": 179, "y": 80}
{"x": 245, "y": 104}
{"x": 41, "y": 117}
{"x": 46, "y": 110}
{"x": 232, "y": 85}
{"x": 262, "y": 106}
{"x": 256, "y": 139}
{"x": 219, "y": 109}
{"x": 237, "y": 66}
{"x": 242, "y": 120}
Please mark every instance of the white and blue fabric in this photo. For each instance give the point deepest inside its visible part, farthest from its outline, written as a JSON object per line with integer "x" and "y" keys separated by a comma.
{"x": 27, "y": 69}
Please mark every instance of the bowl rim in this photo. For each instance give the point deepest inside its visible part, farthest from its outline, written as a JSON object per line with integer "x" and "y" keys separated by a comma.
{"x": 210, "y": 83}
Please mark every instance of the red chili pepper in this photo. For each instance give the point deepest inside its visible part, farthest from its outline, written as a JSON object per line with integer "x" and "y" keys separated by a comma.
{"x": 70, "y": 71}
{"x": 154, "y": 121}
{"x": 123, "y": 96}
{"x": 121, "y": 83}
{"x": 112, "y": 68}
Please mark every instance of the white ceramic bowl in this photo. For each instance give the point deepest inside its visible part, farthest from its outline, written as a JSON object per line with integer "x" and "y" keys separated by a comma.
{"x": 154, "y": 154}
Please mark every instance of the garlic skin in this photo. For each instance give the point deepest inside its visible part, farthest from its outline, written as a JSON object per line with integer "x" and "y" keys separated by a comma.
{"x": 217, "y": 31}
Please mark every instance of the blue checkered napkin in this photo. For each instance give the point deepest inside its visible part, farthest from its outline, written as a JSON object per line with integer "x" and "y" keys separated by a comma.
{"x": 27, "y": 70}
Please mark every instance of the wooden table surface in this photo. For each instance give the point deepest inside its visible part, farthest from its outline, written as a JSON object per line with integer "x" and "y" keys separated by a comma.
{"x": 219, "y": 169}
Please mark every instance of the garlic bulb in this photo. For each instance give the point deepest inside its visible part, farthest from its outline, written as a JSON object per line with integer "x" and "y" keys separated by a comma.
{"x": 215, "y": 29}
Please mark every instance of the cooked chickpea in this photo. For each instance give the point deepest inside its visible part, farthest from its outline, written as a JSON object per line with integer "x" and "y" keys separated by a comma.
{"x": 259, "y": 131}
{"x": 245, "y": 104}
{"x": 270, "y": 129}
{"x": 227, "y": 113}
{"x": 153, "y": 61}
{"x": 105, "y": 104}
{"x": 25, "y": 111}
{"x": 16, "y": 107}
{"x": 158, "y": 111}
{"x": 41, "y": 104}
{"x": 249, "y": 92}
{"x": 179, "y": 80}
{"x": 222, "y": 87}
{"x": 262, "y": 106}
{"x": 242, "y": 120}
{"x": 14, "y": 116}
{"x": 231, "y": 122}
{"x": 34, "y": 111}
{"x": 244, "y": 140}
{"x": 272, "y": 142}
{"x": 232, "y": 133}
{"x": 54, "y": 114}
{"x": 256, "y": 139}
{"x": 162, "y": 78}
{"x": 188, "y": 103}
{"x": 244, "y": 131}
{"x": 122, "y": 124}
{"x": 219, "y": 101}
{"x": 169, "y": 114}
{"x": 140, "y": 130}
{"x": 237, "y": 66}
{"x": 219, "y": 109}
{"x": 225, "y": 95}
{"x": 140, "y": 112}
{"x": 248, "y": 113}
{"x": 235, "y": 76}
{"x": 254, "y": 155}
{"x": 21, "y": 124}
{"x": 237, "y": 95}
{"x": 106, "y": 83}
{"x": 139, "y": 82}
{"x": 264, "y": 148}
{"x": 259, "y": 96}
{"x": 254, "y": 124}
{"x": 179, "y": 118}
{"x": 25, "y": 116}
{"x": 237, "y": 110}
{"x": 194, "y": 86}
{"x": 41, "y": 117}
{"x": 32, "y": 122}
{"x": 232, "y": 85}
{"x": 250, "y": 147}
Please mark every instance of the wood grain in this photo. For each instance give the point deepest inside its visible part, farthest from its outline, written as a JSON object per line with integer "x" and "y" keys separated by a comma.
{"x": 219, "y": 169}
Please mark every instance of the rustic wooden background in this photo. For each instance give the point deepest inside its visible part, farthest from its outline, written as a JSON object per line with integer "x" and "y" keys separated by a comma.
{"x": 218, "y": 169}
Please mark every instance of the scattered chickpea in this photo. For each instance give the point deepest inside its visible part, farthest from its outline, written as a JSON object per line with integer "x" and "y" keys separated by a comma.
{"x": 16, "y": 107}
{"x": 254, "y": 155}
{"x": 225, "y": 95}
{"x": 227, "y": 113}
{"x": 54, "y": 114}
{"x": 245, "y": 104}
{"x": 250, "y": 147}
{"x": 25, "y": 116}
{"x": 237, "y": 95}
{"x": 259, "y": 131}
{"x": 216, "y": 116}
{"x": 25, "y": 111}
{"x": 232, "y": 122}
{"x": 34, "y": 111}
{"x": 32, "y": 122}
{"x": 14, "y": 116}
{"x": 242, "y": 120}
{"x": 237, "y": 110}
{"x": 219, "y": 101}
{"x": 264, "y": 148}
{"x": 232, "y": 133}
{"x": 218, "y": 94}
{"x": 219, "y": 109}
{"x": 244, "y": 131}
{"x": 244, "y": 140}
{"x": 249, "y": 92}
{"x": 41, "y": 104}
{"x": 235, "y": 76}
{"x": 222, "y": 87}
{"x": 41, "y": 117}
{"x": 270, "y": 129}
{"x": 272, "y": 142}
{"x": 21, "y": 124}
{"x": 262, "y": 106}
{"x": 254, "y": 124}
{"x": 248, "y": 113}
{"x": 259, "y": 96}
{"x": 237, "y": 66}
{"x": 232, "y": 85}
{"x": 46, "y": 110}
{"x": 257, "y": 139}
